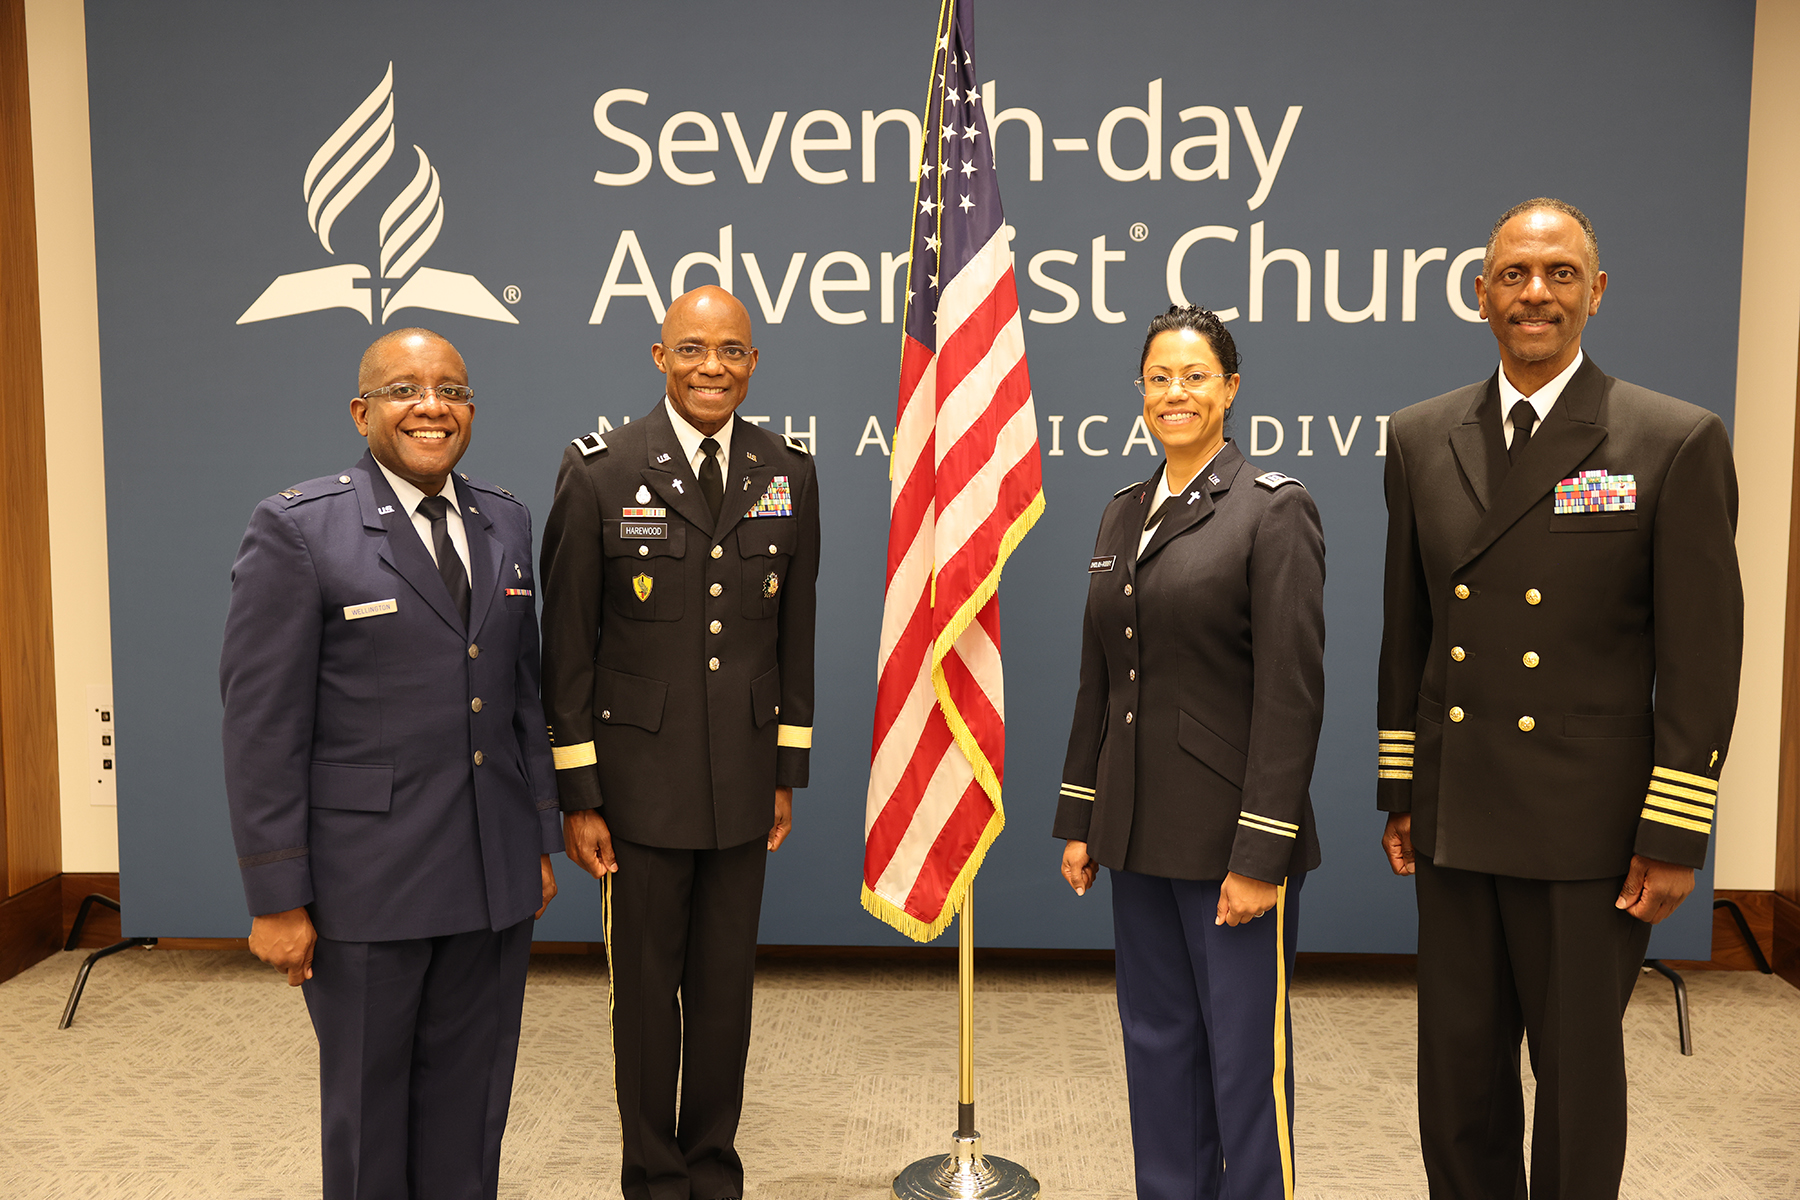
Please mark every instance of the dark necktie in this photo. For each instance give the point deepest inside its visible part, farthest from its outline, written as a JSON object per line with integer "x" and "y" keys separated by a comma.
{"x": 449, "y": 562}
{"x": 712, "y": 480}
{"x": 1523, "y": 416}
{"x": 1162, "y": 510}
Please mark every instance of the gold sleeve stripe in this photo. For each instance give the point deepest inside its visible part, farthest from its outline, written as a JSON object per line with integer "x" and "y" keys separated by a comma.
{"x": 1393, "y": 774}
{"x": 1396, "y": 735}
{"x": 1076, "y": 787}
{"x": 1679, "y": 822}
{"x": 1394, "y": 760}
{"x": 568, "y": 757}
{"x": 1667, "y": 805}
{"x": 1674, "y": 776}
{"x": 1078, "y": 794}
{"x": 1659, "y": 788}
{"x": 795, "y": 737}
{"x": 1246, "y": 813}
{"x": 1262, "y": 828}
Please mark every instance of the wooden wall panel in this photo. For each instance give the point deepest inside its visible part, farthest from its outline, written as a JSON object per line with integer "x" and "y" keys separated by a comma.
{"x": 28, "y": 769}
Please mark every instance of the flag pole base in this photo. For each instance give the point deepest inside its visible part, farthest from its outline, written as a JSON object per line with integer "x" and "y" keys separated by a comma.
{"x": 965, "y": 1174}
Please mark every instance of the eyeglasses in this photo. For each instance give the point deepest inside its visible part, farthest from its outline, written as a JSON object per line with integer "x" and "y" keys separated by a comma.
{"x": 1193, "y": 381}
{"x": 731, "y": 356}
{"x": 412, "y": 393}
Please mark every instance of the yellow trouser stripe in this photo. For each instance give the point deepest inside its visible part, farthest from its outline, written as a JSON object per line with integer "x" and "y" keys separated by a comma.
{"x": 798, "y": 737}
{"x": 1699, "y": 781}
{"x": 1651, "y": 814}
{"x": 612, "y": 980}
{"x": 1657, "y": 786}
{"x": 566, "y": 757}
{"x": 1668, "y": 805}
{"x": 1281, "y": 1047}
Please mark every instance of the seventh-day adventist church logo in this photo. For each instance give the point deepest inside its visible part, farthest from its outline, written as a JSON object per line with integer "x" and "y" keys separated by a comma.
{"x": 345, "y": 165}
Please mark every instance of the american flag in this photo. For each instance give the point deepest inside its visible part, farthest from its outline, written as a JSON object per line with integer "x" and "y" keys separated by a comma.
{"x": 967, "y": 486}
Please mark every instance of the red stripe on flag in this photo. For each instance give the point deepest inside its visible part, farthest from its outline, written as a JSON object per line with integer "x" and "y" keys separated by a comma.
{"x": 971, "y": 341}
{"x": 948, "y": 853}
{"x": 897, "y": 814}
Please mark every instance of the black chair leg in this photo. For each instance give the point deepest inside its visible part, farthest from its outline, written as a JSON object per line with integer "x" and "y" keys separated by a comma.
{"x": 81, "y": 977}
{"x": 81, "y": 916}
{"x": 1681, "y": 1002}
{"x": 1737, "y": 915}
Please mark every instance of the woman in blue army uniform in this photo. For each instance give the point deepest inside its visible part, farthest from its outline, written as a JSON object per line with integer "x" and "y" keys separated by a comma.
{"x": 1202, "y": 687}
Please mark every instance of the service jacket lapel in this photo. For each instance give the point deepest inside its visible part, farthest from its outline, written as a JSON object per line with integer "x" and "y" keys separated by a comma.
{"x": 1132, "y": 519}
{"x": 1567, "y": 436}
{"x": 1215, "y": 479}
{"x": 1479, "y": 447}
{"x": 403, "y": 549}
{"x": 747, "y": 476}
{"x": 665, "y": 466}
{"x": 485, "y": 553}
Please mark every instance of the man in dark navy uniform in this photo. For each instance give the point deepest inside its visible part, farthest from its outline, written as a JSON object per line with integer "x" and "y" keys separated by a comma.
{"x": 391, "y": 789}
{"x": 678, "y": 564}
{"x": 1558, "y": 680}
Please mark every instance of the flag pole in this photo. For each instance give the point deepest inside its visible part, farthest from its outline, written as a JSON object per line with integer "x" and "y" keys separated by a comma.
{"x": 965, "y": 1173}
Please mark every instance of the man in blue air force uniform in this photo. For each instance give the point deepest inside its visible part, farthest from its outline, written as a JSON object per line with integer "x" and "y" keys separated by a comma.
{"x": 392, "y": 796}
{"x": 1558, "y": 680}
{"x": 679, "y": 562}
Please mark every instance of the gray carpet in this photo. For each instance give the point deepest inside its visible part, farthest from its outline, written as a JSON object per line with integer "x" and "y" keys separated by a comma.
{"x": 193, "y": 1074}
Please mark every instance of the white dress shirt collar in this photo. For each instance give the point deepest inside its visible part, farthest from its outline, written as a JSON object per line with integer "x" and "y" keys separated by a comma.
{"x": 409, "y": 498}
{"x": 1163, "y": 492}
{"x": 1541, "y": 400}
{"x": 690, "y": 439}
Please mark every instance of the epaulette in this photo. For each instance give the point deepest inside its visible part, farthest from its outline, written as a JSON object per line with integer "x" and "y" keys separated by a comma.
{"x": 312, "y": 489}
{"x": 795, "y": 442}
{"x": 589, "y": 444}
{"x": 1128, "y": 487}
{"x": 1274, "y": 479}
{"x": 486, "y": 487}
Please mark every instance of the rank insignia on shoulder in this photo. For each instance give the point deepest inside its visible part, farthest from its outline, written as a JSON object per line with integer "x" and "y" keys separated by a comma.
{"x": 796, "y": 442}
{"x": 589, "y": 444}
{"x": 504, "y": 492}
{"x": 1274, "y": 479}
{"x": 290, "y": 494}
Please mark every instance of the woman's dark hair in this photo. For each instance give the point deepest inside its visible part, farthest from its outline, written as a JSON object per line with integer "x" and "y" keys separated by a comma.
{"x": 1202, "y": 321}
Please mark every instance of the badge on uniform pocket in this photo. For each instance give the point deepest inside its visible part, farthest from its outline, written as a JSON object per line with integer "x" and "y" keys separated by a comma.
{"x": 771, "y": 584}
{"x": 641, "y": 584}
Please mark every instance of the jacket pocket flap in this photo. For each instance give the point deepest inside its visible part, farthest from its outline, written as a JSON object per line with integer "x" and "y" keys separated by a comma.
{"x": 621, "y": 699}
{"x": 766, "y": 536}
{"x": 765, "y": 696}
{"x": 1430, "y": 709}
{"x": 1212, "y": 750}
{"x": 1593, "y": 725}
{"x": 1600, "y": 522}
{"x": 358, "y": 787}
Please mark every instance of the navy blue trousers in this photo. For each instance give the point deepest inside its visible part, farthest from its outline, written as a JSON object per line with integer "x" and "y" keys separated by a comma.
{"x": 1207, "y": 1040}
{"x": 417, "y": 1041}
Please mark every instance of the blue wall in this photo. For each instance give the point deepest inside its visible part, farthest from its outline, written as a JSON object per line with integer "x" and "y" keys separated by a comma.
{"x": 1418, "y": 123}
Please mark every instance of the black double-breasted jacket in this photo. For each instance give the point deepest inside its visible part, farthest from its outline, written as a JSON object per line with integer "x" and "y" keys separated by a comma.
{"x": 678, "y": 658}
{"x": 1562, "y": 637}
{"x": 1202, "y": 681}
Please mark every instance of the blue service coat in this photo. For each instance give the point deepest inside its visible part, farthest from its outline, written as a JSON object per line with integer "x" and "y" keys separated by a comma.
{"x": 385, "y": 767}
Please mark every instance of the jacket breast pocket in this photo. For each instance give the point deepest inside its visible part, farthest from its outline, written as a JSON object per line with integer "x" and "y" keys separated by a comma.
{"x": 355, "y": 787}
{"x": 1225, "y": 760}
{"x": 1599, "y": 522}
{"x": 766, "y": 546}
{"x": 646, "y": 578}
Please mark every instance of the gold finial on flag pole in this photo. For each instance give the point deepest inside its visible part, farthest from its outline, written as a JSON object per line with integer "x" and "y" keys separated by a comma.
{"x": 965, "y": 1173}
